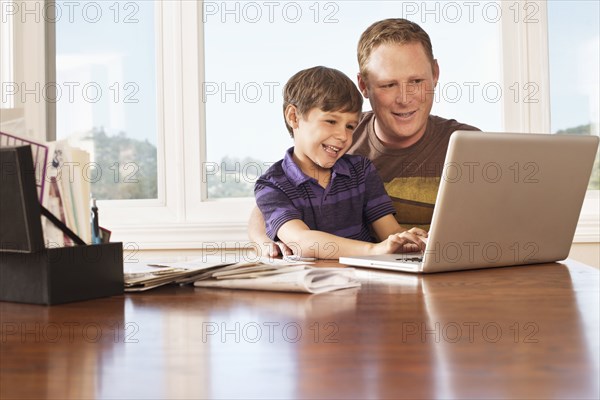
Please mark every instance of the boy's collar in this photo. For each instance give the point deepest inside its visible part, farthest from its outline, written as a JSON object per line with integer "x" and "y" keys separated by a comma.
{"x": 297, "y": 177}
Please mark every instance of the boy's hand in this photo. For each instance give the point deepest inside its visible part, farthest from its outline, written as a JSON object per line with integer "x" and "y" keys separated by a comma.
{"x": 284, "y": 249}
{"x": 411, "y": 247}
{"x": 418, "y": 232}
{"x": 408, "y": 241}
{"x": 274, "y": 249}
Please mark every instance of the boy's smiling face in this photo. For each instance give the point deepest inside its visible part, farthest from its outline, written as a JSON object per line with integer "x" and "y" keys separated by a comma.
{"x": 320, "y": 137}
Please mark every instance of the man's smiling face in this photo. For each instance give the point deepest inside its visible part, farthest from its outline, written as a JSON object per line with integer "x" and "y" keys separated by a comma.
{"x": 400, "y": 87}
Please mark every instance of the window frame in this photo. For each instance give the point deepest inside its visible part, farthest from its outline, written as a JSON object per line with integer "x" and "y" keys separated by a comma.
{"x": 31, "y": 65}
{"x": 527, "y": 44}
{"x": 182, "y": 217}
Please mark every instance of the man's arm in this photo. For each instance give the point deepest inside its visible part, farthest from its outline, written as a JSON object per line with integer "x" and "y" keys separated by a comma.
{"x": 311, "y": 243}
{"x": 257, "y": 233}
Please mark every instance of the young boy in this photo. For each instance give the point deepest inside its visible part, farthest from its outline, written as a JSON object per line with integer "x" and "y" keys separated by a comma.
{"x": 318, "y": 200}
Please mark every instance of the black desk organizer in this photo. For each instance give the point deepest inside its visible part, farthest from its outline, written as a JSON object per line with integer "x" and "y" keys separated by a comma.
{"x": 31, "y": 273}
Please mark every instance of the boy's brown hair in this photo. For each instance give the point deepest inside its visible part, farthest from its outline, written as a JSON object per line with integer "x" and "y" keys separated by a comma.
{"x": 393, "y": 30}
{"x": 320, "y": 87}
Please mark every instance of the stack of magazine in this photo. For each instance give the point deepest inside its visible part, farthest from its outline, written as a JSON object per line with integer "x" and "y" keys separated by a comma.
{"x": 67, "y": 193}
{"x": 263, "y": 274}
{"x": 60, "y": 172}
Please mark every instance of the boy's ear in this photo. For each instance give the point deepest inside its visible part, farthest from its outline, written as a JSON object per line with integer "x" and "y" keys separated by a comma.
{"x": 292, "y": 116}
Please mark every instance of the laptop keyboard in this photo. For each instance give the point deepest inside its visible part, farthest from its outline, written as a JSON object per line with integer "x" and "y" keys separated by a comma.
{"x": 411, "y": 259}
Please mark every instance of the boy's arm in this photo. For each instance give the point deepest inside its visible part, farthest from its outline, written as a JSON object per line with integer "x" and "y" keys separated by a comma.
{"x": 385, "y": 226}
{"x": 257, "y": 233}
{"x": 311, "y": 243}
{"x": 377, "y": 200}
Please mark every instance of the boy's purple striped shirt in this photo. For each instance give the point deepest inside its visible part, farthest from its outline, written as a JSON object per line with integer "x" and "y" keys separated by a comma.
{"x": 354, "y": 198}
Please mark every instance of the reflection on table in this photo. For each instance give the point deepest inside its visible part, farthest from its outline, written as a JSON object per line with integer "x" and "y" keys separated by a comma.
{"x": 513, "y": 332}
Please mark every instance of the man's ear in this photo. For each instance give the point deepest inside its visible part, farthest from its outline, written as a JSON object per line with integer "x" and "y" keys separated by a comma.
{"x": 362, "y": 85}
{"x": 292, "y": 116}
{"x": 436, "y": 72}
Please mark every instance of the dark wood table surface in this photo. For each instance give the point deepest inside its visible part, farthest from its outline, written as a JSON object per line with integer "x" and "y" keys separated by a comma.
{"x": 515, "y": 332}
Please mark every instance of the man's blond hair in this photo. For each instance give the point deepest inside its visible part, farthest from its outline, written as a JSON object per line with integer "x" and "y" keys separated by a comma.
{"x": 395, "y": 31}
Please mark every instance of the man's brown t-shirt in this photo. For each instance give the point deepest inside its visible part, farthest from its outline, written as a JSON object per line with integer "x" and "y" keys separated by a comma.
{"x": 411, "y": 176}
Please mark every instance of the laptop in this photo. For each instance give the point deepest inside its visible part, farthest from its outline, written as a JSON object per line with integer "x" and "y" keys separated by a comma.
{"x": 504, "y": 199}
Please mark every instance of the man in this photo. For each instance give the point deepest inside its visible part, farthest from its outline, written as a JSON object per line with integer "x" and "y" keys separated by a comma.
{"x": 398, "y": 75}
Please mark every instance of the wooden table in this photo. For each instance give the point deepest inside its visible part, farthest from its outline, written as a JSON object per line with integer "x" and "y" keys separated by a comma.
{"x": 517, "y": 332}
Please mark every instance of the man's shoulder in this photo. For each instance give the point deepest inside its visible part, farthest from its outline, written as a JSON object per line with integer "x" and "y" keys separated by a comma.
{"x": 360, "y": 137}
{"x": 364, "y": 123}
{"x": 367, "y": 115}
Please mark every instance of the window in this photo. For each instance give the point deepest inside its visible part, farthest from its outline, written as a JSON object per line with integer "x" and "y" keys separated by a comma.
{"x": 6, "y": 55}
{"x": 106, "y": 77}
{"x": 574, "y": 53}
{"x": 210, "y": 80}
{"x": 23, "y": 70}
{"x": 252, "y": 48}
